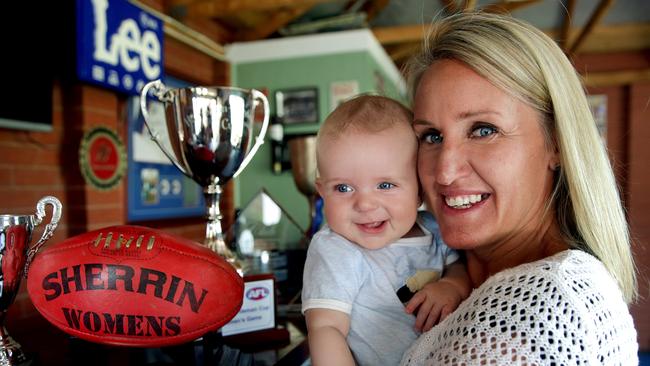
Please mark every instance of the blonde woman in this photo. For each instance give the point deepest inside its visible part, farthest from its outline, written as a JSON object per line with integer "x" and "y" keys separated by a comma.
{"x": 512, "y": 166}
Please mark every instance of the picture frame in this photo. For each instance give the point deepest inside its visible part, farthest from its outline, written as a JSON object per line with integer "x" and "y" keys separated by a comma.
{"x": 297, "y": 106}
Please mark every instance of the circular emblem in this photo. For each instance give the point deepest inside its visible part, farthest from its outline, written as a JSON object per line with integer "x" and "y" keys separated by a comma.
{"x": 102, "y": 158}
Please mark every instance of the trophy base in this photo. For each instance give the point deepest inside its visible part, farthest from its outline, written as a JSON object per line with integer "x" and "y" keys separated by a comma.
{"x": 11, "y": 354}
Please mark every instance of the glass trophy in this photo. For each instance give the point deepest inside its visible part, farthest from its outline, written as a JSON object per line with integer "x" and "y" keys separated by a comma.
{"x": 269, "y": 240}
{"x": 272, "y": 248}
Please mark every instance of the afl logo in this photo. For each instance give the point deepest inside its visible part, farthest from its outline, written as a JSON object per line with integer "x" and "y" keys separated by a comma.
{"x": 257, "y": 293}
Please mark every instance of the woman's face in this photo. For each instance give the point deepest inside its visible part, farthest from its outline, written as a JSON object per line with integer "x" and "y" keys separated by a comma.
{"x": 484, "y": 165}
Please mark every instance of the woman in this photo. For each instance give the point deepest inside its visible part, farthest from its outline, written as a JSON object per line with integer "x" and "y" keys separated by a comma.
{"x": 514, "y": 170}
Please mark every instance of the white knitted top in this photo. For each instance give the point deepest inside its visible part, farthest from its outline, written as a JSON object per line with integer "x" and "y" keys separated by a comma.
{"x": 562, "y": 310}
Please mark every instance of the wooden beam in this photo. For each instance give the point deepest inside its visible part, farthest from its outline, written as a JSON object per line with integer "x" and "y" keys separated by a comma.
{"x": 221, "y": 8}
{"x": 276, "y": 21}
{"x": 374, "y": 7}
{"x": 450, "y": 6}
{"x": 469, "y": 5}
{"x": 404, "y": 51}
{"x": 184, "y": 34}
{"x": 566, "y": 25}
{"x": 508, "y": 6}
{"x": 626, "y": 37}
{"x": 595, "y": 18}
{"x": 400, "y": 34}
{"x": 611, "y": 78}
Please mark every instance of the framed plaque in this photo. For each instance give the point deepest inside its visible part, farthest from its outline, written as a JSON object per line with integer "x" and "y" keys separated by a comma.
{"x": 295, "y": 106}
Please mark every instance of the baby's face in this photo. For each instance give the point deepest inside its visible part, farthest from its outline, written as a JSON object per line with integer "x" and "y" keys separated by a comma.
{"x": 369, "y": 185}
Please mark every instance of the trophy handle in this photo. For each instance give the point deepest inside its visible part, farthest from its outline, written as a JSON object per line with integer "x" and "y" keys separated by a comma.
{"x": 49, "y": 228}
{"x": 164, "y": 95}
{"x": 259, "y": 140}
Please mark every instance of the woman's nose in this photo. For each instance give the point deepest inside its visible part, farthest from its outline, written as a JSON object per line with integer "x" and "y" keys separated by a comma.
{"x": 451, "y": 163}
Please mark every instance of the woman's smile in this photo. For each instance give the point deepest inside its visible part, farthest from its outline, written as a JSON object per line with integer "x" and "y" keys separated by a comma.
{"x": 463, "y": 202}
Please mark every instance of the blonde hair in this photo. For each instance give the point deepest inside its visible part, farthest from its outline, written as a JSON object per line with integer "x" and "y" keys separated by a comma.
{"x": 527, "y": 64}
{"x": 364, "y": 113}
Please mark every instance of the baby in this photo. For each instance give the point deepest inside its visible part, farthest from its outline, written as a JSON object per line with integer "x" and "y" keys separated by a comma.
{"x": 376, "y": 242}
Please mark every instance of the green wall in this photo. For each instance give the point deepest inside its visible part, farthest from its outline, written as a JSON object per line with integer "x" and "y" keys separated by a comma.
{"x": 313, "y": 71}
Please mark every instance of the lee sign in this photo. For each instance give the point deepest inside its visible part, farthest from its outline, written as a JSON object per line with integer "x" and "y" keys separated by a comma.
{"x": 119, "y": 45}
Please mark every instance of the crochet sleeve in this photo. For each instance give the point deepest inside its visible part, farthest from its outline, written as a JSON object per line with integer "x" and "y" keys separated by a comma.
{"x": 569, "y": 312}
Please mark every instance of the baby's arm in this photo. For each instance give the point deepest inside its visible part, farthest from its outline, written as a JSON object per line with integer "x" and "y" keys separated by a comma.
{"x": 327, "y": 331}
{"x": 438, "y": 299}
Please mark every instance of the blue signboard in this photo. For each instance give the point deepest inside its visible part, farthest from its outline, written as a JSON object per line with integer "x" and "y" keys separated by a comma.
{"x": 156, "y": 188}
{"x": 119, "y": 45}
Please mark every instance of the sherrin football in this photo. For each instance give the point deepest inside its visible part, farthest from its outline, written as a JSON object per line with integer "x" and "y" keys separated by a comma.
{"x": 134, "y": 286}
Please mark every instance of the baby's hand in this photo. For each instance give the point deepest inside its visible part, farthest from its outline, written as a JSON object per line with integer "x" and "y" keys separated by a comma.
{"x": 433, "y": 303}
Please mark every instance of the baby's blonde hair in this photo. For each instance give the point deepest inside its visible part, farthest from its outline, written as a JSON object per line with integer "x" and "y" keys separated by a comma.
{"x": 366, "y": 114}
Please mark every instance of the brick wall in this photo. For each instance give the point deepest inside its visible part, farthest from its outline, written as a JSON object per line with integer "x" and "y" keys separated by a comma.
{"x": 639, "y": 201}
{"x": 628, "y": 141}
{"x": 36, "y": 164}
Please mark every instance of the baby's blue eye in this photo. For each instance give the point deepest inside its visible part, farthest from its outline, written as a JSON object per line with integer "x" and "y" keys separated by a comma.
{"x": 385, "y": 185}
{"x": 483, "y": 131}
{"x": 343, "y": 188}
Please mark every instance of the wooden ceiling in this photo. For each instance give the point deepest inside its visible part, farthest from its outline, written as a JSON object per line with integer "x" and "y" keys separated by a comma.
{"x": 248, "y": 20}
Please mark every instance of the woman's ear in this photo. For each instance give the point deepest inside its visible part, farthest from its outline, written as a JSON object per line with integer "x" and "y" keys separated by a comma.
{"x": 554, "y": 161}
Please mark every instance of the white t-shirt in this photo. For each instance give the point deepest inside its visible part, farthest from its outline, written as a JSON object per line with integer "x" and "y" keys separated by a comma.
{"x": 562, "y": 310}
{"x": 343, "y": 276}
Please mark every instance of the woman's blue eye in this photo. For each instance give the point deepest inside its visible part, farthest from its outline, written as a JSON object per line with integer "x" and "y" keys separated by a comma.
{"x": 431, "y": 138}
{"x": 343, "y": 188}
{"x": 385, "y": 185}
{"x": 483, "y": 131}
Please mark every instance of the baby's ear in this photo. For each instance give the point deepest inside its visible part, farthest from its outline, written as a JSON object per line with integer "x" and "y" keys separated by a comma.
{"x": 319, "y": 186}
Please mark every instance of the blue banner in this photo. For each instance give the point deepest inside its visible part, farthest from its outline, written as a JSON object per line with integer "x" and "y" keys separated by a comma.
{"x": 119, "y": 45}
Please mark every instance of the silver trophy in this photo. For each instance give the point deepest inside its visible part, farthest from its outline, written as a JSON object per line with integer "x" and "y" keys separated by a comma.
{"x": 211, "y": 132}
{"x": 15, "y": 257}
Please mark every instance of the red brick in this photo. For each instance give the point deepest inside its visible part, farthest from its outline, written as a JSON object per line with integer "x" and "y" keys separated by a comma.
{"x": 177, "y": 58}
{"x": 99, "y": 99}
{"x": 93, "y": 117}
{"x": 105, "y": 214}
{"x": 6, "y": 176}
{"x": 38, "y": 176}
{"x": 22, "y": 200}
{"x": 28, "y": 154}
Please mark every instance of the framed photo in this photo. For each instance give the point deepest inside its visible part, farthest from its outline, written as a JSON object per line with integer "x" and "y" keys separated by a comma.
{"x": 295, "y": 106}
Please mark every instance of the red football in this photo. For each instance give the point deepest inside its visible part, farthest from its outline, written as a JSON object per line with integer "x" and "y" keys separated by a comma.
{"x": 134, "y": 286}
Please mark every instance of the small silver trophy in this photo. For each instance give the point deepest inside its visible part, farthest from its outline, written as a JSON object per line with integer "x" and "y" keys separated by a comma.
{"x": 15, "y": 257}
{"x": 210, "y": 130}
